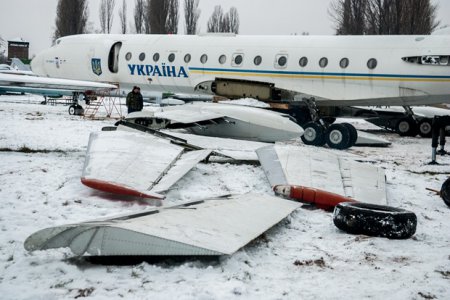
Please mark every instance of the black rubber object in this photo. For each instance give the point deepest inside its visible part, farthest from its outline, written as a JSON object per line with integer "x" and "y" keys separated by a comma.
{"x": 425, "y": 127}
{"x": 353, "y": 133}
{"x": 445, "y": 192}
{"x": 407, "y": 127}
{"x": 375, "y": 220}
{"x": 338, "y": 137}
{"x": 314, "y": 134}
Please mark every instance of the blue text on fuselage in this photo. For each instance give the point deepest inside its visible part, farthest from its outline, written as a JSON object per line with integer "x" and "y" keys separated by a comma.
{"x": 156, "y": 70}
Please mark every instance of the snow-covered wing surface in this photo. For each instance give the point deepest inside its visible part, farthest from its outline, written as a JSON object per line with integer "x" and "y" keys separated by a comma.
{"x": 44, "y": 85}
{"x": 134, "y": 164}
{"x": 322, "y": 169}
{"x": 211, "y": 227}
{"x": 236, "y": 149}
{"x": 187, "y": 116}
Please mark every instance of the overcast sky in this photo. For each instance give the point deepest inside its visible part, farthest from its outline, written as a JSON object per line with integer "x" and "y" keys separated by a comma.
{"x": 34, "y": 20}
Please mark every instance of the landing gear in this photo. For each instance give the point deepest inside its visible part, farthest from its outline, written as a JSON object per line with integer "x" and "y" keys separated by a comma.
{"x": 407, "y": 127}
{"x": 314, "y": 134}
{"x": 425, "y": 127}
{"x": 319, "y": 132}
{"x": 338, "y": 137}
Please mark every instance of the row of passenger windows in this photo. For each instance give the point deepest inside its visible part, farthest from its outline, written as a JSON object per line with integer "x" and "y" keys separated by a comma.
{"x": 238, "y": 59}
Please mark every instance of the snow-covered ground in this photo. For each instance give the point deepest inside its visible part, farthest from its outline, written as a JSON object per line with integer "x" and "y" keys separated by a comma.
{"x": 304, "y": 257}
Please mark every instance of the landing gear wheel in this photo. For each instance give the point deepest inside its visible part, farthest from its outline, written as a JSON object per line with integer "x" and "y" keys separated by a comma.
{"x": 425, "y": 127}
{"x": 445, "y": 192}
{"x": 314, "y": 134}
{"x": 353, "y": 133}
{"x": 338, "y": 136}
{"x": 375, "y": 220}
{"x": 72, "y": 110}
{"x": 407, "y": 127}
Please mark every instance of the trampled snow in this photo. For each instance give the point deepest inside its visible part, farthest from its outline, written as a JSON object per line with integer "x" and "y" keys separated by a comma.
{"x": 304, "y": 257}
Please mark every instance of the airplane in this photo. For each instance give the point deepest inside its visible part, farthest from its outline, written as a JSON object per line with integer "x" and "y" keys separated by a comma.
{"x": 319, "y": 73}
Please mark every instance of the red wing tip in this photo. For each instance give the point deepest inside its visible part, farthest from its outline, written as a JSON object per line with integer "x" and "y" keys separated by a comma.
{"x": 117, "y": 189}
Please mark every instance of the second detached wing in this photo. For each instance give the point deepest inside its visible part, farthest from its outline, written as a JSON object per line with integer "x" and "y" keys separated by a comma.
{"x": 135, "y": 164}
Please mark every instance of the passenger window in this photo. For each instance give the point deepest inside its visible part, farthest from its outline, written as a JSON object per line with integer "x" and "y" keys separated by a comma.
{"x": 372, "y": 63}
{"x": 222, "y": 59}
{"x": 323, "y": 62}
{"x": 344, "y": 63}
{"x": 155, "y": 57}
{"x": 204, "y": 59}
{"x": 128, "y": 56}
{"x": 257, "y": 60}
{"x": 237, "y": 60}
{"x": 187, "y": 58}
{"x": 303, "y": 62}
{"x": 142, "y": 56}
{"x": 282, "y": 60}
{"x": 171, "y": 57}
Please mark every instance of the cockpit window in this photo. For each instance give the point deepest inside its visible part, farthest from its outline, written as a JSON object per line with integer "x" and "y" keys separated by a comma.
{"x": 434, "y": 60}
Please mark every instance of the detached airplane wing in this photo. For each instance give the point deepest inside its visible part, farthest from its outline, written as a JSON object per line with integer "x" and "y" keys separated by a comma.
{"x": 136, "y": 164}
{"x": 324, "y": 170}
{"x": 14, "y": 83}
{"x": 203, "y": 228}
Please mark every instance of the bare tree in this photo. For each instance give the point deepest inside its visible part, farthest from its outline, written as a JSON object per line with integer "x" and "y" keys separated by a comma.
{"x": 216, "y": 20}
{"x": 234, "y": 20}
{"x": 384, "y": 16}
{"x": 3, "y": 57}
{"x": 71, "y": 18}
{"x": 191, "y": 15}
{"x": 157, "y": 13}
{"x": 220, "y": 22}
{"x": 139, "y": 15}
{"x": 172, "y": 16}
{"x": 106, "y": 14}
{"x": 123, "y": 17}
{"x": 349, "y": 16}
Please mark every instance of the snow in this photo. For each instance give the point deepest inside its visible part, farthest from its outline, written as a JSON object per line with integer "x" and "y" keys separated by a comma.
{"x": 303, "y": 257}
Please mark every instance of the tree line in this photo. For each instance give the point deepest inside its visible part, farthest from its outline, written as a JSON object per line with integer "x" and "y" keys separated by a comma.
{"x": 149, "y": 16}
{"x": 384, "y": 17}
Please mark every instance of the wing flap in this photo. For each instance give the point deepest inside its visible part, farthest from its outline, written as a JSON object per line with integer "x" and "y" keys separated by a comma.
{"x": 324, "y": 170}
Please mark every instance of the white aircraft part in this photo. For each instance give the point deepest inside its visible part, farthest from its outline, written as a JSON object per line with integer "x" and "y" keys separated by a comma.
{"x": 211, "y": 227}
{"x": 325, "y": 170}
{"x": 369, "y": 139}
{"x": 51, "y": 83}
{"x": 182, "y": 116}
{"x": 236, "y": 149}
{"x": 182, "y": 167}
{"x": 137, "y": 161}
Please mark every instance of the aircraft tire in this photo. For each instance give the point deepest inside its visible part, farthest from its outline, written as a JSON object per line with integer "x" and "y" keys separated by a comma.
{"x": 314, "y": 134}
{"x": 338, "y": 137}
{"x": 72, "y": 109}
{"x": 425, "y": 127}
{"x": 445, "y": 192}
{"x": 375, "y": 220}
{"x": 353, "y": 133}
{"x": 407, "y": 127}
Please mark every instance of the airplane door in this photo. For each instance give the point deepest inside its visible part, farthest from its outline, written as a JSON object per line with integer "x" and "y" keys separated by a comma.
{"x": 113, "y": 58}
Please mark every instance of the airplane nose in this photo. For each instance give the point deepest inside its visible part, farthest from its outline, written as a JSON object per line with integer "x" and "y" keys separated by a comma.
{"x": 37, "y": 65}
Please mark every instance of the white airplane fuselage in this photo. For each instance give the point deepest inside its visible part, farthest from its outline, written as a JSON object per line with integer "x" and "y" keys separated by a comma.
{"x": 335, "y": 70}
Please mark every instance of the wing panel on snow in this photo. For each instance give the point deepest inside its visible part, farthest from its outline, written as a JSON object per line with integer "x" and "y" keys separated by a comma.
{"x": 133, "y": 164}
{"x": 187, "y": 116}
{"x": 210, "y": 227}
